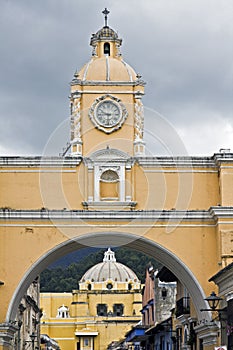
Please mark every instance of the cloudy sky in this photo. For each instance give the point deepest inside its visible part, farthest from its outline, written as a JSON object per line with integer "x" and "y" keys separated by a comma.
{"x": 182, "y": 48}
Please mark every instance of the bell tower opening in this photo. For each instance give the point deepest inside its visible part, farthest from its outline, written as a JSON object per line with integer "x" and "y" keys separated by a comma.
{"x": 107, "y": 49}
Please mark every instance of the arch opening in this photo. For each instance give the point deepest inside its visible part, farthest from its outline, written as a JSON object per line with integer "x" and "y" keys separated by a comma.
{"x": 104, "y": 240}
{"x": 107, "y": 49}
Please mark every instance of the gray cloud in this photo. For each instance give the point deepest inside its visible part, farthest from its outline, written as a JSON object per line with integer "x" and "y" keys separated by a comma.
{"x": 183, "y": 49}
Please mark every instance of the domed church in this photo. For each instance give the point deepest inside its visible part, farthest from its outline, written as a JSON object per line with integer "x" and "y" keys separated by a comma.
{"x": 106, "y": 305}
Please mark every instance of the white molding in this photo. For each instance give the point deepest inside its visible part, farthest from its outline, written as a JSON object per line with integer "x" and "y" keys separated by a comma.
{"x": 212, "y": 163}
{"x": 39, "y": 161}
{"x": 146, "y": 215}
{"x": 181, "y": 171}
{"x": 37, "y": 171}
{"x": 106, "y": 155}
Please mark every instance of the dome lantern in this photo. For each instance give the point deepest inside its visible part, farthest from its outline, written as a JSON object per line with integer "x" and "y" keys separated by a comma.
{"x": 105, "y": 41}
{"x": 109, "y": 255}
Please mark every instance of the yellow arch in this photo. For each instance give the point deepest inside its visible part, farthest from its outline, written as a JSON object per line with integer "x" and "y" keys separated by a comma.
{"x": 105, "y": 239}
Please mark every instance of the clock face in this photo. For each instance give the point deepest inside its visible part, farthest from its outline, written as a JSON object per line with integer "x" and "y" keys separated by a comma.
{"x": 108, "y": 114}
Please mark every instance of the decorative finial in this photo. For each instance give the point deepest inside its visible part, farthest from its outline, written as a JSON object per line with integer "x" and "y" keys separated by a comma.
{"x": 76, "y": 74}
{"x": 105, "y": 12}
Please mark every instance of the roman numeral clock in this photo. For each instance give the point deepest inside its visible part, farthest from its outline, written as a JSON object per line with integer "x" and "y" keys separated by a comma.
{"x": 108, "y": 113}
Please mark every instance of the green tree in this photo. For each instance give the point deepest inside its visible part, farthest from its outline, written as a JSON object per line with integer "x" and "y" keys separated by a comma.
{"x": 65, "y": 279}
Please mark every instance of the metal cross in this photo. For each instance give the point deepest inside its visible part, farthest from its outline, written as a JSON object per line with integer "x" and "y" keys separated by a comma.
{"x": 105, "y": 13}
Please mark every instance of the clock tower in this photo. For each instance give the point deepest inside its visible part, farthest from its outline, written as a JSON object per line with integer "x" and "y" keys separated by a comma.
{"x": 105, "y": 100}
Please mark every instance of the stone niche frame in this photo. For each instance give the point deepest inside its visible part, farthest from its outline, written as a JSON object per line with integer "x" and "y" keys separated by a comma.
{"x": 97, "y": 164}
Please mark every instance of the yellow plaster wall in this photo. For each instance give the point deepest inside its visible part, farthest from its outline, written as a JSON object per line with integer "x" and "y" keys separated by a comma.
{"x": 109, "y": 329}
{"x": 94, "y": 139}
{"x": 168, "y": 189}
{"x": 226, "y": 181}
{"x": 153, "y": 189}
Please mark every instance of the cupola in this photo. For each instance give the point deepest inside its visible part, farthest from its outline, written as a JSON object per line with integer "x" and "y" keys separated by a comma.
{"x": 109, "y": 275}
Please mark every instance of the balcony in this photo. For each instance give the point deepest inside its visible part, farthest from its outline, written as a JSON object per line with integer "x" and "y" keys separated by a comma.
{"x": 183, "y": 306}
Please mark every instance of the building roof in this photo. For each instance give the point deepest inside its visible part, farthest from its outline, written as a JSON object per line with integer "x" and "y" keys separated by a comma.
{"x": 221, "y": 272}
{"x": 109, "y": 269}
{"x": 166, "y": 275}
{"x": 106, "y": 68}
{"x": 105, "y": 33}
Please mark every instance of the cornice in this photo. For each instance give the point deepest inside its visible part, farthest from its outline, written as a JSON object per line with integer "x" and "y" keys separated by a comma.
{"x": 106, "y": 83}
{"x": 112, "y": 215}
{"x": 211, "y": 215}
{"x": 221, "y": 212}
{"x": 178, "y": 161}
{"x": 39, "y": 161}
{"x": 223, "y": 157}
{"x": 214, "y": 162}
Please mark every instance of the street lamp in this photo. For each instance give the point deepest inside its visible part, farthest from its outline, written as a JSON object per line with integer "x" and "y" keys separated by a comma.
{"x": 213, "y": 301}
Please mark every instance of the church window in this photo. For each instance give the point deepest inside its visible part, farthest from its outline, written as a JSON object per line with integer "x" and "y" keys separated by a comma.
{"x": 109, "y": 185}
{"x": 89, "y": 286}
{"x": 86, "y": 342}
{"x": 107, "y": 49}
{"x": 118, "y": 309}
{"x": 164, "y": 292}
{"x": 109, "y": 285}
{"x": 129, "y": 286}
{"x": 186, "y": 334}
{"x": 102, "y": 309}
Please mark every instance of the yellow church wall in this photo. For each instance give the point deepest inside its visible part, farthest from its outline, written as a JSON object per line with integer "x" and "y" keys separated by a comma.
{"x": 110, "y": 299}
{"x": 224, "y": 238}
{"x": 153, "y": 188}
{"x": 52, "y": 302}
{"x": 109, "y": 328}
{"x": 21, "y": 189}
{"x": 41, "y": 187}
{"x": 226, "y": 188}
{"x": 96, "y": 143}
{"x": 112, "y": 331}
{"x": 62, "y": 332}
{"x": 180, "y": 189}
{"x": 94, "y": 139}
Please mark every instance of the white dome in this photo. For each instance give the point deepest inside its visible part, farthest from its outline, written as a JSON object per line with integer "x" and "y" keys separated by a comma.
{"x": 109, "y": 269}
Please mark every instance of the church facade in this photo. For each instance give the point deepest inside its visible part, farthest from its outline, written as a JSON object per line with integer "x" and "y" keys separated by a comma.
{"x": 108, "y": 192}
{"x": 105, "y": 306}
